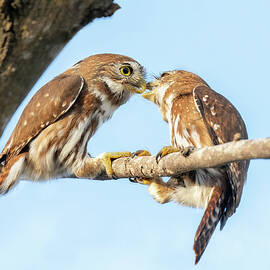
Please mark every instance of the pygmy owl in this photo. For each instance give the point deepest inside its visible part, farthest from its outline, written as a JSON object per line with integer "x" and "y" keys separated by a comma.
{"x": 199, "y": 117}
{"x": 50, "y": 138}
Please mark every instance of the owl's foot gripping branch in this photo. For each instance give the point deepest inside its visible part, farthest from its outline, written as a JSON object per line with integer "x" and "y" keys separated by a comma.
{"x": 175, "y": 163}
{"x": 108, "y": 157}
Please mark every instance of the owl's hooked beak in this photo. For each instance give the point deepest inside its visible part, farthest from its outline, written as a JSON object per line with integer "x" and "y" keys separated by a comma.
{"x": 149, "y": 95}
{"x": 136, "y": 88}
{"x": 142, "y": 87}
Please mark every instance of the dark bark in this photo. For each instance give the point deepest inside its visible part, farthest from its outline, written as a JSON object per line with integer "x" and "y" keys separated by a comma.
{"x": 32, "y": 32}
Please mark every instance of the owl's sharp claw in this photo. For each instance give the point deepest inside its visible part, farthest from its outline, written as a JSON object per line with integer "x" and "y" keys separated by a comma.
{"x": 140, "y": 180}
{"x": 141, "y": 153}
{"x": 165, "y": 151}
{"x": 132, "y": 179}
{"x": 108, "y": 157}
{"x": 186, "y": 151}
{"x": 159, "y": 156}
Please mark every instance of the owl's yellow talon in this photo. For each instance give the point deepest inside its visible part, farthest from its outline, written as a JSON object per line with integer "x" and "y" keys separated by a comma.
{"x": 145, "y": 182}
{"x": 108, "y": 157}
{"x": 166, "y": 151}
{"x": 141, "y": 181}
{"x": 141, "y": 153}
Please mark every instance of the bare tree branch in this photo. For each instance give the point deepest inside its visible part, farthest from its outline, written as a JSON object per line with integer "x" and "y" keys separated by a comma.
{"x": 176, "y": 163}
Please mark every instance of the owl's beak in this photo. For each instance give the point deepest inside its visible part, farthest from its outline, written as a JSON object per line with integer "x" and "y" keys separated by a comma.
{"x": 149, "y": 95}
{"x": 142, "y": 87}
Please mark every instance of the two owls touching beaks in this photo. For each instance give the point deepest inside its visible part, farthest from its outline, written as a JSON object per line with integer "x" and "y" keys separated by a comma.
{"x": 51, "y": 136}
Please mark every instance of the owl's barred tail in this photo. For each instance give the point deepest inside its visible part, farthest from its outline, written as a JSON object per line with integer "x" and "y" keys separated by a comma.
{"x": 10, "y": 173}
{"x": 208, "y": 223}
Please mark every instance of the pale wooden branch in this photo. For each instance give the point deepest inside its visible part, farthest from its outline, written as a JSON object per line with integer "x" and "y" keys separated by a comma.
{"x": 176, "y": 163}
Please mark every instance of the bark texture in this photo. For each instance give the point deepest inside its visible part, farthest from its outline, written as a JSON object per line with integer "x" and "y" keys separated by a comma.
{"x": 175, "y": 164}
{"x": 32, "y": 32}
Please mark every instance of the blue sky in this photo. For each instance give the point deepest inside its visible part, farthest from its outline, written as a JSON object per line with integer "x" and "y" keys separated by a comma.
{"x": 84, "y": 224}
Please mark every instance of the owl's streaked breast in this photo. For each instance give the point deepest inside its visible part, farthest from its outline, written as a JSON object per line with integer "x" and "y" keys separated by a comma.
{"x": 188, "y": 129}
{"x": 61, "y": 147}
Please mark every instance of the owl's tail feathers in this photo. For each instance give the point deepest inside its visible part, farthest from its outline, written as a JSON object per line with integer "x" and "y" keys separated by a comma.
{"x": 10, "y": 173}
{"x": 208, "y": 223}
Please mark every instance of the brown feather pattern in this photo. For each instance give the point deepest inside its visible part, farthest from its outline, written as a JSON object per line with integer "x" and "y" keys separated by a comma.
{"x": 56, "y": 125}
{"x": 199, "y": 117}
{"x": 52, "y": 100}
{"x": 210, "y": 219}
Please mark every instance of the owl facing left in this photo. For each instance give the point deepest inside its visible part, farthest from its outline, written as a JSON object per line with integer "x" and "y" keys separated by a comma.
{"x": 199, "y": 117}
{"x": 51, "y": 136}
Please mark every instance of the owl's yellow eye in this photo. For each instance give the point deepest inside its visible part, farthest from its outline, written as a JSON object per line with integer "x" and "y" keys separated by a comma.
{"x": 126, "y": 70}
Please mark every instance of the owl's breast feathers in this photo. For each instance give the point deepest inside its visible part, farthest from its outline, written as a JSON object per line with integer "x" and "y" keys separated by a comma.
{"x": 54, "y": 129}
{"x": 200, "y": 117}
{"x": 51, "y": 136}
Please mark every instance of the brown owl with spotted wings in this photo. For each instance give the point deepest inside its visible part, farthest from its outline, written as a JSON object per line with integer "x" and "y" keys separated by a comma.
{"x": 199, "y": 117}
{"x": 51, "y": 136}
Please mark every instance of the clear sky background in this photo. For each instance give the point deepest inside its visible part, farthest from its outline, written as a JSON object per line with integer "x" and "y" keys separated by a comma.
{"x": 83, "y": 224}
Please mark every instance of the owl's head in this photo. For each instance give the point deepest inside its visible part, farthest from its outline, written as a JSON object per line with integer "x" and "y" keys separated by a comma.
{"x": 171, "y": 85}
{"x": 121, "y": 74}
{"x": 160, "y": 92}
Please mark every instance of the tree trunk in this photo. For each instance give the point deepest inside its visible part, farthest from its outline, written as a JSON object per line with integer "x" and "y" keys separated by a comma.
{"x": 32, "y": 33}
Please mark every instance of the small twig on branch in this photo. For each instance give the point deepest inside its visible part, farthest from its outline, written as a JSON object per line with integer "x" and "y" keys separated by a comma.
{"x": 176, "y": 163}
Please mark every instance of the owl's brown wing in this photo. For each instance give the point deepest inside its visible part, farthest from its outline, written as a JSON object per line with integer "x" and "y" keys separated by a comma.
{"x": 50, "y": 102}
{"x": 224, "y": 124}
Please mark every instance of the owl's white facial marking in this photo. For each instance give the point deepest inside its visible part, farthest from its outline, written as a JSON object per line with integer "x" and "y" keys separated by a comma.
{"x": 159, "y": 92}
{"x": 114, "y": 86}
{"x": 124, "y": 78}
